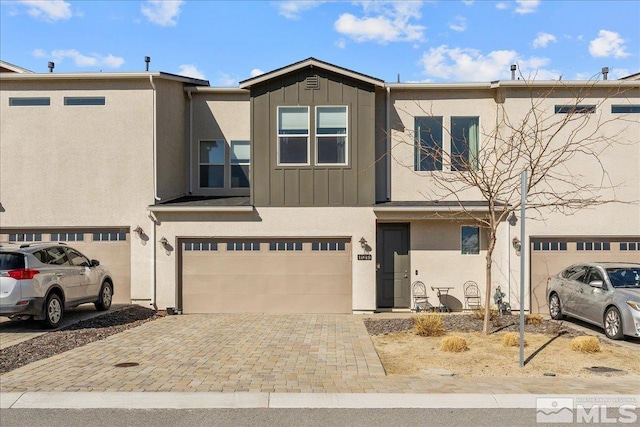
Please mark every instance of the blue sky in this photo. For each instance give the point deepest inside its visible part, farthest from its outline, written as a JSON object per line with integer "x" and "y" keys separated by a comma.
{"x": 227, "y": 42}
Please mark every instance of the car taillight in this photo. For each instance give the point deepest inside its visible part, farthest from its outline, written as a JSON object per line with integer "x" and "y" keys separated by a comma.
{"x": 23, "y": 273}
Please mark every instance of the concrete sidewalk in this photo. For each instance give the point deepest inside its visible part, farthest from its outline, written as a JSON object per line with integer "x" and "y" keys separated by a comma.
{"x": 250, "y": 353}
{"x": 160, "y": 400}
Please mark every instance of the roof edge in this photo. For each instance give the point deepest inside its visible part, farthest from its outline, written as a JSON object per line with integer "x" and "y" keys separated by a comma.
{"x": 313, "y": 62}
{"x": 102, "y": 76}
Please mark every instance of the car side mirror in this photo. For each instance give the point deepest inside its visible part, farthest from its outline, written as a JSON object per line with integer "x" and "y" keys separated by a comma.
{"x": 95, "y": 263}
{"x": 596, "y": 284}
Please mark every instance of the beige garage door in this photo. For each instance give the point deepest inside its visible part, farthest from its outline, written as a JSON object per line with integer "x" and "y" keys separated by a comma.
{"x": 110, "y": 246}
{"x": 551, "y": 255}
{"x": 265, "y": 276}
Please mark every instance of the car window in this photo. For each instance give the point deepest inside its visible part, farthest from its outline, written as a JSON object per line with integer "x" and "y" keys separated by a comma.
{"x": 578, "y": 274}
{"x": 42, "y": 256}
{"x": 624, "y": 277}
{"x": 11, "y": 261}
{"x": 594, "y": 274}
{"x": 77, "y": 258}
{"x": 56, "y": 256}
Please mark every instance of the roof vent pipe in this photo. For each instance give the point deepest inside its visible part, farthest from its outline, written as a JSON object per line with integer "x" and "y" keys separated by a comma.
{"x": 147, "y": 60}
{"x": 514, "y": 67}
{"x": 51, "y": 65}
{"x": 605, "y": 73}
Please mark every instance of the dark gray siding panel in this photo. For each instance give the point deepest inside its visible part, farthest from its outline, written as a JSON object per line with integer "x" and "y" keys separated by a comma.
{"x": 350, "y": 185}
{"x": 381, "y": 145}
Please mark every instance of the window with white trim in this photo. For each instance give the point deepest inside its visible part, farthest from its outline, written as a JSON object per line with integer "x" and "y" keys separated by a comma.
{"x": 428, "y": 143}
{"x": 109, "y": 237}
{"x": 243, "y": 246}
{"x": 67, "y": 237}
{"x": 464, "y": 143}
{"x": 212, "y": 159}
{"x": 201, "y": 246}
{"x": 593, "y": 246}
{"x": 331, "y": 135}
{"x": 285, "y": 246}
{"x": 549, "y": 245}
{"x": 470, "y": 240}
{"x": 328, "y": 246}
{"x": 630, "y": 246}
{"x": 25, "y": 237}
{"x": 240, "y": 157}
{"x": 293, "y": 135}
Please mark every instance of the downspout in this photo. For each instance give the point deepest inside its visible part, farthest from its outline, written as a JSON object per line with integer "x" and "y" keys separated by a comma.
{"x": 190, "y": 142}
{"x": 388, "y": 156}
{"x": 156, "y": 198}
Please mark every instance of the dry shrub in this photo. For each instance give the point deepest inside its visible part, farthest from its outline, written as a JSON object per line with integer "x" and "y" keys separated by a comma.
{"x": 429, "y": 325}
{"x": 479, "y": 314}
{"x": 454, "y": 343}
{"x": 511, "y": 339}
{"x": 533, "y": 319}
{"x": 586, "y": 344}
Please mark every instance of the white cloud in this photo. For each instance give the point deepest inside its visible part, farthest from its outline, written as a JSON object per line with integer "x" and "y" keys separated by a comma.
{"x": 467, "y": 2}
{"x": 383, "y": 22}
{"x": 80, "y": 60}
{"x": 459, "y": 64}
{"x": 341, "y": 44}
{"x": 189, "y": 70}
{"x": 48, "y": 10}
{"x": 293, "y": 9}
{"x": 543, "y": 39}
{"x": 256, "y": 72}
{"x": 502, "y": 6}
{"x": 459, "y": 24}
{"x": 608, "y": 44}
{"x": 527, "y": 6}
{"x": 225, "y": 80}
{"x": 162, "y": 12}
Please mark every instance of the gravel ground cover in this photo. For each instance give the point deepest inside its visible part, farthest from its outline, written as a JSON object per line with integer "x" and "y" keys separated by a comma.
{"x": 467, "y": 323}
{"x": 73, "y": 336}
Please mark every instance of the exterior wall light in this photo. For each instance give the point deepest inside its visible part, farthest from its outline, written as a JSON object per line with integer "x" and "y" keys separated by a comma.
{"x": 363, "y": 242}
{"x": 513, "y": 220}
{"x": 138, "y": 230}
{"x": 164, "y": 241}
{"x": 517, "y": 244}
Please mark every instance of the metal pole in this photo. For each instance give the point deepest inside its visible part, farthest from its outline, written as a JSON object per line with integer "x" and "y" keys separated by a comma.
{"x": 523, "y": 243}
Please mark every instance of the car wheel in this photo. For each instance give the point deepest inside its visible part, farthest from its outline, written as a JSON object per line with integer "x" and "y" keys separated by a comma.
{"x": 53, "y": 312}
{"x": 105, "y": 297}
{"x": 555, "y": 308}
{"x": 613, "y": 324}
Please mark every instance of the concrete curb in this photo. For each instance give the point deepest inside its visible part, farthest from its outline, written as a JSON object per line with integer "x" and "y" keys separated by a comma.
{"x": 169, "y": 400}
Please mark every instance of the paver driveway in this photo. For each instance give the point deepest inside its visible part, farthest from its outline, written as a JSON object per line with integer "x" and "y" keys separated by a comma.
{"x": 261, "y": 353}
{"x": 213, "y": 353}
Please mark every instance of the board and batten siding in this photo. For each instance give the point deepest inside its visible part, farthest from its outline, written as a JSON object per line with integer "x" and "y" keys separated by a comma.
{"x": 345, "y": 185}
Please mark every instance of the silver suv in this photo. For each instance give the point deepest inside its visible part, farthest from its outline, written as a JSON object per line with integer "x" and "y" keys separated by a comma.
{"x": 41, "y": 280}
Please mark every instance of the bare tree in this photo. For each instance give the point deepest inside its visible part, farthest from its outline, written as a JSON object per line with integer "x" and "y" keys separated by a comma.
{"x": 543, "y": 139}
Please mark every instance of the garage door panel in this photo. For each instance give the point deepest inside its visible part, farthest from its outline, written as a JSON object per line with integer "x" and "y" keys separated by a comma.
{"x": 110, "y": 246}
{"x": 266, "y": 281}
{"x": 272, "y": 304}
{"x": 549, "y": 256}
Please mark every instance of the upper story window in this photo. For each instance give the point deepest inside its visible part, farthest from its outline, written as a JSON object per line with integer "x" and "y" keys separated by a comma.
{"x": 212, "y": 155}
{"x": 84, "y": 100}
{"x": 464, "y": 148}
{"x": 293, "y": 135}
{"x": 575, "y": 109}
{"x": 625, "y": 109}
{"x": 428, "y": 143}
{"x": 331, "y": 135}
{"x": 29, "y": 102}
{"x": 240, "y": 163}
{"x": 464, "y": 143}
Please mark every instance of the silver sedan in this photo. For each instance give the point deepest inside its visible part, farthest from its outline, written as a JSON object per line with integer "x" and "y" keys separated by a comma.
{"x": 605, "y": 294}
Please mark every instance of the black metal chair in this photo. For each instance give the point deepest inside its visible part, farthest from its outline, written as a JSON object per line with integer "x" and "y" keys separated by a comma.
{"x": 471, "y": 296}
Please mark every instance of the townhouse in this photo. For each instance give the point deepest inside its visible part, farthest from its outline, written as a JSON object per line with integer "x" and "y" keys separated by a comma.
{"x": 302, "y": 190}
